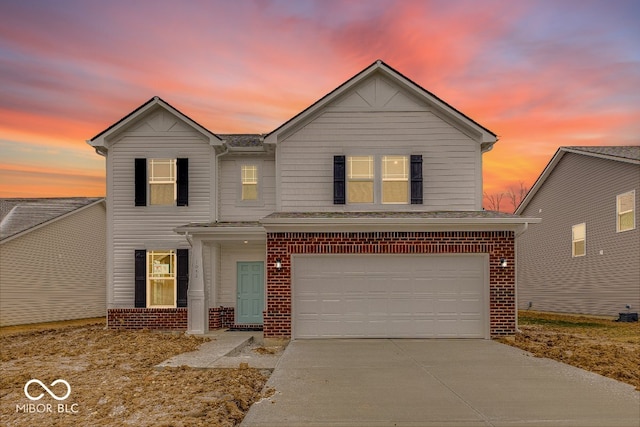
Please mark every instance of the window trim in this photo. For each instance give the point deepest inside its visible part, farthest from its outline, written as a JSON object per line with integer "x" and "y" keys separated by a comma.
{"x": 631, "y": 193}
{"x": 259, "y": 201}
{"x": 149, "y": 276}
{"x": 574, "y": 240}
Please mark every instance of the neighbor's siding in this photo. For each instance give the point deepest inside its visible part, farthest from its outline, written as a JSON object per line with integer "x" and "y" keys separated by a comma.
{"x": 161, "y": 135}
{"x": 56, "y": 272}
{"x": 581, "y": 189}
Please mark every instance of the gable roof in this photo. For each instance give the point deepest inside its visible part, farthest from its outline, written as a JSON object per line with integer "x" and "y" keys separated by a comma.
{"x": 99, "y": 142}
{"x": 18, "y": 216}
{"x": 488, "y": 138}
{"x": 620, "y": 153}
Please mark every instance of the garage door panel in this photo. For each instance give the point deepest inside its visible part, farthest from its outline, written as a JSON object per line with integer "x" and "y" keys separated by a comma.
{"x": 389, "y": 296}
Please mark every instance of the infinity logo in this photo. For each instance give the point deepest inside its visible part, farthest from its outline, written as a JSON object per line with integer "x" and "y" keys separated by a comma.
{"x": 52, "y": 394}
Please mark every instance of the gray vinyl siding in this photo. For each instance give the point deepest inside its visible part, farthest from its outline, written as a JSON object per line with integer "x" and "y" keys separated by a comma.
{"x": 151, "y": 227}
{"x": 55, "y": 272}
{"x": 234, "y": 209}
{"x": 451, "y": 165}
{"x": 581, "y": 189}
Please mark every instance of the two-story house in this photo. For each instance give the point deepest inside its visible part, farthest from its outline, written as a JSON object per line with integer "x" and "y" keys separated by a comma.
{"x": 359, "y": 217}
{"x": 584, "y": 258}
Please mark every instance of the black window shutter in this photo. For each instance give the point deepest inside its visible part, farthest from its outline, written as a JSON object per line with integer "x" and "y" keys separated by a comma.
{"x": 339, "y": 173}
{"x": 140, "y": 278}
{"x": 141, "y": 182}
{"x": 183, "y": 277}
{"x": 416, "y": 179}
{"x": 182, "y": 166}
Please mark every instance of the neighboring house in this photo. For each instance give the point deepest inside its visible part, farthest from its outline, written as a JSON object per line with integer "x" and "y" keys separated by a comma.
{"x": 359, "y": 217}
{"x": 52, "y": 259}
{"x": 585, "y": 255}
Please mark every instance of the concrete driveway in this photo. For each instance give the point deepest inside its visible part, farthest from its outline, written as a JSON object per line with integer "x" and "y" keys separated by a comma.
{"x": 403, "y": 382}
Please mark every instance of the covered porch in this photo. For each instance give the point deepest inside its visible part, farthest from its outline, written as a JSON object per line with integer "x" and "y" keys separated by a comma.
{"x": 227, "y": 275}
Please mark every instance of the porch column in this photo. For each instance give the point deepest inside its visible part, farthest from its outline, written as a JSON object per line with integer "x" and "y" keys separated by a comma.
{"x": 197, "y": 307}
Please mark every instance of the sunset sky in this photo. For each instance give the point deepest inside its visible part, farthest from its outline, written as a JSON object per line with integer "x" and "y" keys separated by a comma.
{"x": 541, "y": 74}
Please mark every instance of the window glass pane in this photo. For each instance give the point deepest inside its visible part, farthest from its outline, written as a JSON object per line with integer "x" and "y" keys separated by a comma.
{"x": 395, "y": 192}
{"x": 161, "y": 292}
{"x": 625, "y": 202}
{"x": 578, "y": 248}
{"x": 394, "y": 168}
{"x": 578, "y": 232}
{"x": 360, "y": 167}
{"x": 249, "y": 192}
{"x": 162, "y": 170}
{"x": 625, "y": 221}
{"x": 161, "y": 278}
{"x": 360, "y": 191}
{"x": 162, "y": 194}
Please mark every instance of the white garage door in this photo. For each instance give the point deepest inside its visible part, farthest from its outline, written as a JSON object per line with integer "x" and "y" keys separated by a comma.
{"x": 390, "y": 296}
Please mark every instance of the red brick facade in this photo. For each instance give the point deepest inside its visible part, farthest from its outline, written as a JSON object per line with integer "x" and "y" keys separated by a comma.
{"x": 497, "y": 244}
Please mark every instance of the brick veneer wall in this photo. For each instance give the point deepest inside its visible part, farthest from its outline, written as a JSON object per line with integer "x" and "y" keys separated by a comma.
{"x": 221, "y": 317}
{"x": 167, "y": 319}
{"x": 498, "y": 244}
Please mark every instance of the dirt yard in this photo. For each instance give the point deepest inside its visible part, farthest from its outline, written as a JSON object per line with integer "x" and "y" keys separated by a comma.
{"x": 599, "y": 345}
{"x": 113, "y": 380}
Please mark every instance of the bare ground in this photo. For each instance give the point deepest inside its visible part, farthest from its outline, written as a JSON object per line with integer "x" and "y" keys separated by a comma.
{"x": 595, "y": 344}
{"x": 114, "y": 382}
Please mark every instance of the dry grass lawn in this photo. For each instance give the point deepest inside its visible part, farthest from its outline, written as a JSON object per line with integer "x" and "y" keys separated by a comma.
{"x": 598, "y": 345}
{"x": 113, "y": 380}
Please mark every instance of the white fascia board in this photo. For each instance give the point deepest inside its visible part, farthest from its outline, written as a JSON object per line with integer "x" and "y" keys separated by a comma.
{"x": 224, "y": 234}
{"x": 397, "y": 224}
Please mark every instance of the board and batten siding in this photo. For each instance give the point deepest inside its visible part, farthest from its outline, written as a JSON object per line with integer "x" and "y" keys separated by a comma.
{"x": 451, "y": 160}
{"x": 55, "y": 272}
{"x": 232, "y": 208}
{"x": 133, "y": 227}
{"x": 581, "y": 189}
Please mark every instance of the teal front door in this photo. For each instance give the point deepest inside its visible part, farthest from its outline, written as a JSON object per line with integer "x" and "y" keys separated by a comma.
{"x": 250, "y": 292}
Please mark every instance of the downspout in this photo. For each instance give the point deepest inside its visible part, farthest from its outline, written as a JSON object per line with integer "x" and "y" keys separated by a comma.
{"x": 515, "y": 264}
{"x": 217, "y": 183}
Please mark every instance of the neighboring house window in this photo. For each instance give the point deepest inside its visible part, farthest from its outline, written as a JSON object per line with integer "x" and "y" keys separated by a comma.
{"x": 165, "y": 181}
{"x": 249, "y": 176}
{"x": 161, "y": 278}
{"x": 578, "y": 240}
{"x": 625, "y": 211}
{"x": 360, "y": 179}
{"x": 162, "y": 181}
{"x": 395, "y": 179}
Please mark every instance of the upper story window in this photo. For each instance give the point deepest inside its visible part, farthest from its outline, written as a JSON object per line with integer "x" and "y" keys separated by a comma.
{"x": 578, "y": 240}
{"x": 249, "y": 177}
{"x": 395, "y": 179}
{"x": 625, "y": 211}
{"x": 360, "y": 179}
{"x": 162, "y": 181}
{"x": 389, "y": 179}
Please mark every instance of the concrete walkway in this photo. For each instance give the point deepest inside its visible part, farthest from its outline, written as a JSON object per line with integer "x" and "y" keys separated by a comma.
{"x": 225, "y": 350}
{"x": 435, "y": 383}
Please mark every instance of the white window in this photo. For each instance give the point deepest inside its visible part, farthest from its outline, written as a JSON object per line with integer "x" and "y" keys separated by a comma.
{"x": 578, "y": 240}
{"x": 360, "y": 179}
{"x": 395, "y": 179}
{"x": 161, "y": 278}
{"x": 162, "y": 181}
{"x": 625, "y": 211}
{"x": 249, "y": 177}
